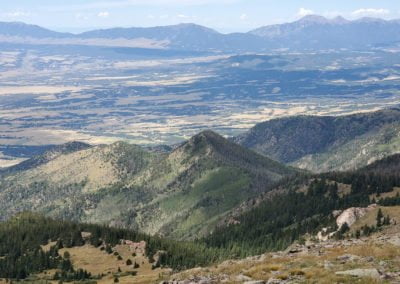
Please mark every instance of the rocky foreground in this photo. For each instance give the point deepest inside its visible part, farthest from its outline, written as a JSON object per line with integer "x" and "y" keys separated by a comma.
{"x": 366, "y": 260}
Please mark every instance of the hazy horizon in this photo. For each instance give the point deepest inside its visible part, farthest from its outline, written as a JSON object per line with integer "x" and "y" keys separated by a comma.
{"x": 223, "y": 15}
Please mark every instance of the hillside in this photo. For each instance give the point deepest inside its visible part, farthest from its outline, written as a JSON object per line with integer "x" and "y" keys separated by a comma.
{"x": 365, "y": 260}
{"x": 388, "y": 165}
{"x": 181, "y": 194}
{"x": 326, "y": 143}
{"x": 330, "y": 218}
{"x": 34, "y": 248}
{"x": 19, "y": 29}
{"x": 184, "y": 37}
{"x": 49, "y": 154}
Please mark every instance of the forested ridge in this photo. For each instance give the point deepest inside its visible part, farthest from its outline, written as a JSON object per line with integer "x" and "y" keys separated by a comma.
{"x": 271, "y": 226}
{"x": 204, "y": 178}
{"x": 303, "y": 206}
{"x": 327, "y": 143}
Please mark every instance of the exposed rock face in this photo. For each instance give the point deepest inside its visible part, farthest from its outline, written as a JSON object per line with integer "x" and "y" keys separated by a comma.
{"x": 351, "y": 215}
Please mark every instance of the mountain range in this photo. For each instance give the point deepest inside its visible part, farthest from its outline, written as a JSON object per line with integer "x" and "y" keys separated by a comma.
{"x": 311, "y": 32}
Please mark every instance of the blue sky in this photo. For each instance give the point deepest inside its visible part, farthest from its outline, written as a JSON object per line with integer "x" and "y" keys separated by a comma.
{"x": 222, "y": 15}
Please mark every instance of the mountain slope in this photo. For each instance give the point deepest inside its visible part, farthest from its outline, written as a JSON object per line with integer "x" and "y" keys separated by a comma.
{"x": 188, "y": 37}
{"x": 388, "y": 165}
{"x": 324, "y": 143}
{"x": 316, "y": 32}
{"x": 180, "y": 194}
{"x": 302, "y": 207}
{"x": 50, "y": 154}
{"x": 183, "y": 37}
{"x": 18, "y": 29}
{"x": 39, "y": 249}
{"x": 310, "y": 32}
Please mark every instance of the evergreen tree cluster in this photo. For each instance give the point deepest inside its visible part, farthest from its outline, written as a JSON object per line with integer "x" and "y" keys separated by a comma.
{"x": 21, "y": 253}
{"x": 280, "y": 221}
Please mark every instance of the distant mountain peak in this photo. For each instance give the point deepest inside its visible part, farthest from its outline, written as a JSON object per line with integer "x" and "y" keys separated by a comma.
{"x": 203, "y": 140}
{"x": 313, "y": 19}
{"x": 316, "y": 19}
{"x": 340, "y": 20}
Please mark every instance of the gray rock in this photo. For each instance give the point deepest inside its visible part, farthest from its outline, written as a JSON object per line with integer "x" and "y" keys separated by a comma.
{"x": 395, "y": 241}
{"x": 373, "y": 273}
{"x": 243, "y": 278}
{"x": 369, "y": 259}
{"x": 382, "y": 263}
{"x": 347, "y": 258}
{"x": 328, "y": 264}
{"x": 255, "y": 282}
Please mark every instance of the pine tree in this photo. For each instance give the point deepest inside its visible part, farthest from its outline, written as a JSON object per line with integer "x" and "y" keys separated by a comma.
{"x": 379, "y": 217}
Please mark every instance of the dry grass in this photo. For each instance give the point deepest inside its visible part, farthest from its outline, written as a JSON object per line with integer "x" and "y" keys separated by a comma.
{"x": 98, "y": 262}
{"x": 384, "y": 195}
{"x": 370, "y": 218}
{"x": 378, "y": 251}
{"x": 305, "y": 268}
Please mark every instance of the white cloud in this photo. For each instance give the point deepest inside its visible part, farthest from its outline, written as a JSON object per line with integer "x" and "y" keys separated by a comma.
{"x": 104, "y": 14}
{"x": 17, "y": 14}
{"x": 81, "y": 17}
{"x": 243, "y": 17}
{"x": 182, "y": 16}
{"x": 370, "y": 12}
{"x": 304, "y": 12}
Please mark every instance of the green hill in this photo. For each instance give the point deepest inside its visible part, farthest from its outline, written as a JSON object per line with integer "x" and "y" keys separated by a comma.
{"x": 326, "y": 143}
{"x": 182, "y": 194}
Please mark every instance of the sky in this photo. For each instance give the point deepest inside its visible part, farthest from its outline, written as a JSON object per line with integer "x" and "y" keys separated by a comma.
{"x": 222, "y": 15}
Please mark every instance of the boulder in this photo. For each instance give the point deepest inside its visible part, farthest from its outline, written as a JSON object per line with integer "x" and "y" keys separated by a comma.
{"x": 372, "y": 273}
{"x": 243, "y": 278}
{"x": 347, "y": 258}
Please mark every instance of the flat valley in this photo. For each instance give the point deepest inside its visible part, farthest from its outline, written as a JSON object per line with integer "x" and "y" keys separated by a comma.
{"x": 100, "y": 95}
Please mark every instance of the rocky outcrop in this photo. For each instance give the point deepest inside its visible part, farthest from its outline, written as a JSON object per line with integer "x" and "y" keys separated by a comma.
{"x": 351, "y": 215}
